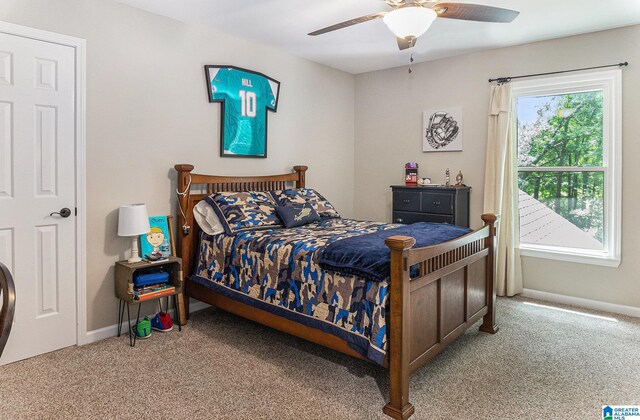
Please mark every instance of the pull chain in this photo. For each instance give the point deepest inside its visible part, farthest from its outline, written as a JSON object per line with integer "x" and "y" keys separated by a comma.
{"x": 410, "y": 64}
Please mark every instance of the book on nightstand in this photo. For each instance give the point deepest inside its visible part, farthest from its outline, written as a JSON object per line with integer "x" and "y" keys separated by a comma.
{"x": 153, "y": 291}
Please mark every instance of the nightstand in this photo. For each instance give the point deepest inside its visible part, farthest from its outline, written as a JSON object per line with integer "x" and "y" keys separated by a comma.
{"x": 431, "y": 204}
{"x": 124, "y": 289}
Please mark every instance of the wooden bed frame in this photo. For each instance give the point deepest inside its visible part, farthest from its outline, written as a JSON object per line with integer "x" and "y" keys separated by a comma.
{"x": 454, "y": 288}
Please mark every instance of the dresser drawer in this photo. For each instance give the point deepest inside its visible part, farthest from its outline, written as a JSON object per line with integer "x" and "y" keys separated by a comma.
{"x": 406, "y": 200}
{"x": 408, "y": 218}
{"x": 440, "y": 203}
{"x": 430, "y": 204}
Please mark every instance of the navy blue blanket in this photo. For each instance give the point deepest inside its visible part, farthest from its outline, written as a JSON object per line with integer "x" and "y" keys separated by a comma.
{"x": 367, "y": 255}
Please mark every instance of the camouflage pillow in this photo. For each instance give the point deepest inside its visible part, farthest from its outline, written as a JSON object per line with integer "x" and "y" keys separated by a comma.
{"x": 299, "y": 196}
{"x": 240, "y": 211}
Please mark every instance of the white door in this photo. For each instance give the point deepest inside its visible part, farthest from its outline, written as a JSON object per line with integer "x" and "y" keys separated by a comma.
{"x": 37, "y": 177}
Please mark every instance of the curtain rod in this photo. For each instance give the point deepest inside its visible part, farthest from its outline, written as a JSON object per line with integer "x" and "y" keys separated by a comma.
{"x": 510, "y": 78}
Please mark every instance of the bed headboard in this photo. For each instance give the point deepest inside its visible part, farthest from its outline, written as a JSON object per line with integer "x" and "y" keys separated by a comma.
{"x": 190, "y": 183}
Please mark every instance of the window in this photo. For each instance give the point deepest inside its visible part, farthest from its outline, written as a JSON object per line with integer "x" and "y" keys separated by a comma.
{"x": 568, "y": 160}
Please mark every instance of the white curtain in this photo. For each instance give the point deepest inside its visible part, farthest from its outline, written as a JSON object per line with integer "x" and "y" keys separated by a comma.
{"x": 501, "y": 190}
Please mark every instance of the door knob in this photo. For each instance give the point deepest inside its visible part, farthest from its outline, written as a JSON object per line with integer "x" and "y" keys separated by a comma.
{"x": 64, "y": 213}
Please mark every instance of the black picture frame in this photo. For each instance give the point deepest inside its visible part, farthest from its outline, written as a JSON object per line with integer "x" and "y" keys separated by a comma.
{"x": 222, "y": 108}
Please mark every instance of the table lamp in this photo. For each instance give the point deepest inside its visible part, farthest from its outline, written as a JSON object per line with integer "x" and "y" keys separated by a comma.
{"x": 133, "y": 221}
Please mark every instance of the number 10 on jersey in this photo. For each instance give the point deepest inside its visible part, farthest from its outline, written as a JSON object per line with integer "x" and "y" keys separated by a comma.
{"x": 248, "y": 106}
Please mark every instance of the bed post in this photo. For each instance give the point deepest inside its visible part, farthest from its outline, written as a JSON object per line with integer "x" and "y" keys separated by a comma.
{"x": 399, "y": 406}
{"x": 184, "y": 243}
{"x": 489, "y": 320}
{"x": 300, "y": 170}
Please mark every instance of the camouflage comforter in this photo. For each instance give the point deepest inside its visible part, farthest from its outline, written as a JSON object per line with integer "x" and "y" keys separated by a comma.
{"x": 277, "y": 270}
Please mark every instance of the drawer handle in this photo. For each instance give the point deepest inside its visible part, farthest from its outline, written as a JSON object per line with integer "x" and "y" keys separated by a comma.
{"x": 436, "y": 203}
{"x": 406, "y": 201}
{"x": 399, "y": 220}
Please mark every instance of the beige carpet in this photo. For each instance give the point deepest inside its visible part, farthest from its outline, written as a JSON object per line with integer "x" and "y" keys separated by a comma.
{"x": 542, "y": 364}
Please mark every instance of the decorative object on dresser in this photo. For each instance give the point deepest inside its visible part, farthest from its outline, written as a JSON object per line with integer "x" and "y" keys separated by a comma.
{"x": 411, "y": 173}
{"x": 442, "y": 130}
{"x": 460, "y": 180}
{"x": 246, "y": 96}
{"x": 435, "y": 293}
{"x": 431, "y": 204}
{"x": 133, "y": 221}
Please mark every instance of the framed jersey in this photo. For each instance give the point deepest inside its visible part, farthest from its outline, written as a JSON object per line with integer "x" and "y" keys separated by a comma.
{"x": 246, "y": 97}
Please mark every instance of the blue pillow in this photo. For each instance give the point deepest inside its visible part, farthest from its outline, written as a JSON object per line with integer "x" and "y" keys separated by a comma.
{"x": 297, "y": 215}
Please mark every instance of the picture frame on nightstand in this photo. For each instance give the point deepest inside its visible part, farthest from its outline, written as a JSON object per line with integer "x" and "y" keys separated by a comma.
{"x": 159, "y": 242}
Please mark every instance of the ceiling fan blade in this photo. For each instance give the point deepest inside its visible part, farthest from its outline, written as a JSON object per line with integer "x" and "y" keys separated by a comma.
{"x": 405, "y": 43}
{"x": 348, "y": 23}
{"x": 475, "y": 12}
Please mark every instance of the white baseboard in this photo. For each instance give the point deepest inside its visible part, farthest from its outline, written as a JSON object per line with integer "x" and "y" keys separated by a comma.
{"x": 102, "y": 333}
{"x": 112, "y": 330}
{"x": 584, "y": 303}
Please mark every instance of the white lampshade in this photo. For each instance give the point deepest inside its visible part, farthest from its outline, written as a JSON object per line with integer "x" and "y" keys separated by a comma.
{"x": 133, "y": 220}
{"x": 410, "y": 21}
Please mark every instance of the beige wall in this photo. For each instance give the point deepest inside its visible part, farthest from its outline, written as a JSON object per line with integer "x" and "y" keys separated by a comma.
{"x": 389, "y": 107}
{"x": 147, "y": 109}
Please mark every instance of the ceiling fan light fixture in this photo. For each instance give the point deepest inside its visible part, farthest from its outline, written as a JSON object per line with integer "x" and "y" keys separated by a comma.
{"x": 410, "y": 21}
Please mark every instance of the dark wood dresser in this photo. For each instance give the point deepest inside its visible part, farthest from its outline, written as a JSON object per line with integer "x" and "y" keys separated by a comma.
{"x": 431, "y": 204}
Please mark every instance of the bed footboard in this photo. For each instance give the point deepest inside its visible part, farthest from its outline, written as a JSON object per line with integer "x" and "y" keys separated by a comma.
{"x": 454, "y": 288}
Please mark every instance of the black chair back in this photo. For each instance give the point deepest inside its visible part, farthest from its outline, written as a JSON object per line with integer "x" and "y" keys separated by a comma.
{"x": 8, "y": 305}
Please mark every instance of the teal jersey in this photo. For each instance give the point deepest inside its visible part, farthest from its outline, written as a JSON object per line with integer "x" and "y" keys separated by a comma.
{"x": 246, "y": 97}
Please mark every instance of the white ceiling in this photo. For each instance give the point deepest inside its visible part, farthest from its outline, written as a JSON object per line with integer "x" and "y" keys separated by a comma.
{"x": 284, "y": 24}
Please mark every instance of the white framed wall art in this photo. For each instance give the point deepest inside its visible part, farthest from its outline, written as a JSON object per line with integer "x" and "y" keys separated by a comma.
{"x": 442, "y": 130}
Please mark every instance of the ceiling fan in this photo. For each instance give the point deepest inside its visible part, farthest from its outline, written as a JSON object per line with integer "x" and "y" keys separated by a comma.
{"x": 411, "y": 18}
